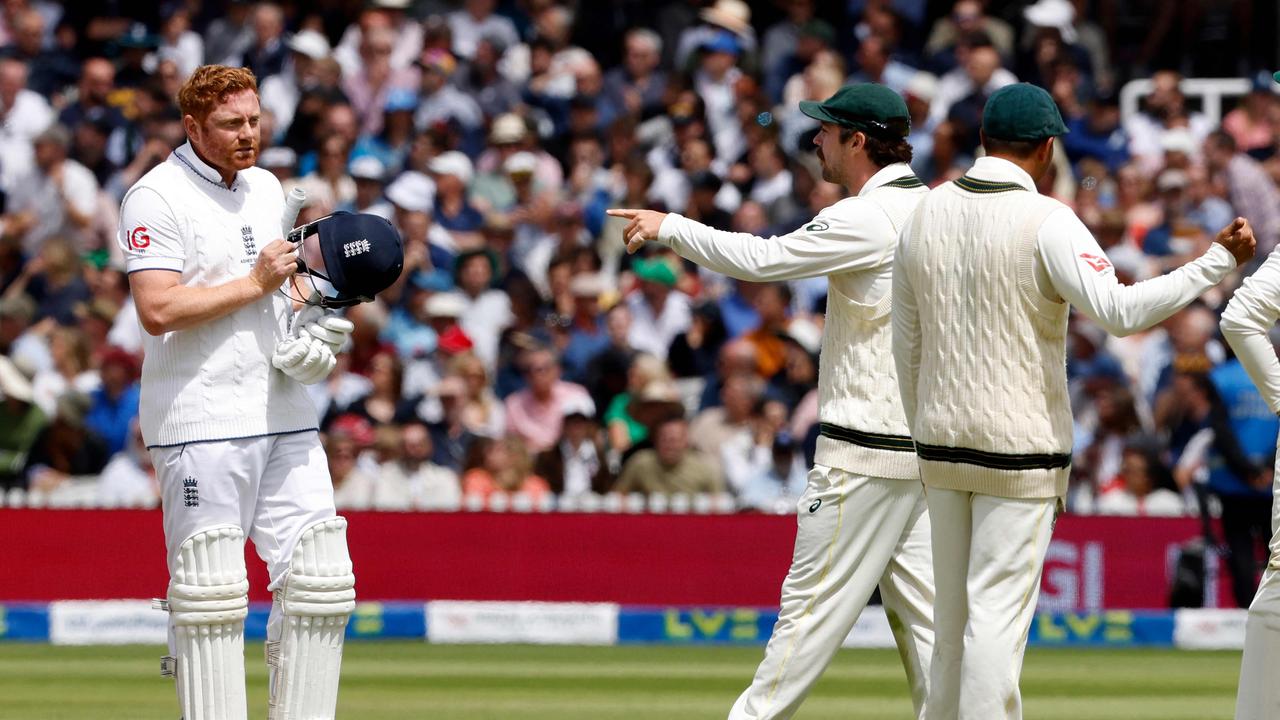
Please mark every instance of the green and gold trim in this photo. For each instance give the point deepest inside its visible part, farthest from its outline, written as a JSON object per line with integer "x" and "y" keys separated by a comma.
{"x": 986, "y": 187}
{"x": 875, "y": 441}
{"x": 994, "y": 461}
{"x": 906, "y": 182}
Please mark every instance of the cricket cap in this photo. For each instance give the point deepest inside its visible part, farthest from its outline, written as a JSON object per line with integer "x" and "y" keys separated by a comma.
{"x": 1022, "y": 111}
{"x": 869, "y": 107}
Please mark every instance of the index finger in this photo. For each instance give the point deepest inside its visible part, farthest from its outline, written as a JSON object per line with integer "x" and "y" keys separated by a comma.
{"x": 623, "y": 213}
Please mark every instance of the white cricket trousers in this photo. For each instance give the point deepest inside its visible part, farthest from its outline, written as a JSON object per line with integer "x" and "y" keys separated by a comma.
{"x": 853, "y": 533}
{"x": 1259, "y": 695}
{"x": 272, "y": 487}
{"x": 988, "y": 553}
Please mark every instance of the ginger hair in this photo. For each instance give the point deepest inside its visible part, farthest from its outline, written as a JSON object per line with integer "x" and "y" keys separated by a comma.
{"x": 210, "y": 85}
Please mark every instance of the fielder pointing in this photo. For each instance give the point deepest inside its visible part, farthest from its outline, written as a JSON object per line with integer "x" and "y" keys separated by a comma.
{"x": 985, "y": 275}
{"x": 862, "y": 519}
{"x": 229, "y": 425}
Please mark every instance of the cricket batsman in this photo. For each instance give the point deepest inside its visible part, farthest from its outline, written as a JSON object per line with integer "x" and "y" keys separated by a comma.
{"x": 1246, "y": 324}
{"x": 985, "y": 276}
{"x": 862, "y": 519}
{"x": 224, "y": 413}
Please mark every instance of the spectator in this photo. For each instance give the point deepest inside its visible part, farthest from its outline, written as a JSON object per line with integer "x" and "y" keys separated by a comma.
{"x": 52, "y": 68}
{"x": 638, "y": 86}
{"x": 267, "y": 52}
{"x": 716, "y": 426}
{"x": 501, "y": 467}
{"x": 440, "y": 102}
{"x": 19, "y": 341}
{"x": 876, "y": 64}
{"x": 535, "y": 414}
{"x": 588, "y": 336}
{"x": 624, "y": 429}
{"x": 486, "y": 310}
{"x": 477, "y": 22}
{"x": 65, "y": 448}
{"x": 1252, "y": 192}
{"x": 967, "y": 16}
{"x": 369, "y": 87}
{"x": 352, "y": 485}
{"x": 670, "y": 467}
{"x": 979, "y": 72}
{"x": 56, "y": 198}
{"x": 693, "y": 353}
{"x": 1145, "y": 487}
{"x": 414, "y": 482}
{"x": 1250, "y": 123}
{"x": 70, "y": 352}
{"x": 481, "y": 412}
{"x": 115, "y": 403}
{"x": 450, "y": 435}
{"x": 659, "y": 312}
{"x": 452, "y": 172}
{"x": 385, "y": 403}
{"x": 577, "y": 464}
{"x": 21, "y": 423}
{"x": 26, "y": 113}
{"x": 765, "y": 466}
{"x": 55, "y": 281}
{"x": 129, "y": 478}
{"x": 389, "y": 14}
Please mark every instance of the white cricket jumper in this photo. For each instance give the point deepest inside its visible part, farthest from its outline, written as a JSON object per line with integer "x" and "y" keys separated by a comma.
{"x": 213, "y": 381}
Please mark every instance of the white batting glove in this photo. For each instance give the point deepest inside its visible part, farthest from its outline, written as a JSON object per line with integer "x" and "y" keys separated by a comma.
{"x": 332, "y": 330}
{"x": 305, "y": 359}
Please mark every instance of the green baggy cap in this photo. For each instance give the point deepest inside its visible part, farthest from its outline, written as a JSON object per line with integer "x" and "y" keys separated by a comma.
{"x": 869, "y": 107}
{"x": 1022, "y": 111}
{"x": 1276, "y": 76}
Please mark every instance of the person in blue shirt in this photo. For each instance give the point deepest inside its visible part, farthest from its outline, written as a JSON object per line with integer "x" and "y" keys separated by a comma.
{"x": 115, "y": 404}
{"x": 1245, "y": 492}
{"x": 1097, "y": 134}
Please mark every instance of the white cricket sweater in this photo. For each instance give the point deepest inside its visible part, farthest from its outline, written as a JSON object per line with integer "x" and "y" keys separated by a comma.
{"x": 1247, "y": 323}
{"x": 863, "y": 428}
{"x": 214, "y": 381}
{"x": 984, "y": 275}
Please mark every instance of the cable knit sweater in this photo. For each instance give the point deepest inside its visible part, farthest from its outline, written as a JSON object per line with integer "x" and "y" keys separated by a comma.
{"x": 852, "y": 243}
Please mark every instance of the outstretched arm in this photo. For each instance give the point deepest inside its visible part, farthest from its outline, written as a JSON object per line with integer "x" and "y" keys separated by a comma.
{"x": 1246, "y": 323}
{"x": 858, "y": 237}
{"x": 1082, "y": 274}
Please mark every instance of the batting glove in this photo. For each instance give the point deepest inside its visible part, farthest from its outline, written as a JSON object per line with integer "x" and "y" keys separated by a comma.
{"x": 305, "y": 359}
{"x": 332, "y": 330}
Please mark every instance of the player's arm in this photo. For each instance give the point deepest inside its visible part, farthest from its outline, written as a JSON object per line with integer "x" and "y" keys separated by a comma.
{"x": 1082, "y": 274}
{"x": 825, "y": 245}
{"x": 1246, "y": 323}
{"x": 154, "y": 257}
{"x": 906, "y": 331}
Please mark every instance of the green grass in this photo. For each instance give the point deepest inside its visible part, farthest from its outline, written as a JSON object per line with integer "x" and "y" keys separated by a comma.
{"x": 404, "y": 680}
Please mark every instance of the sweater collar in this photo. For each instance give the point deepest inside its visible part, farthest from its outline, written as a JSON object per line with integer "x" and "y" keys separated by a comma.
{"x": 994, "y": 169}
{"x": 191, "y": 162}
{"x": 886, "y": 174}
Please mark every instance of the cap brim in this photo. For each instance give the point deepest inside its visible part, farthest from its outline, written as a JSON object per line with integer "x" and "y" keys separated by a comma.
{"x": 815, "y": 110}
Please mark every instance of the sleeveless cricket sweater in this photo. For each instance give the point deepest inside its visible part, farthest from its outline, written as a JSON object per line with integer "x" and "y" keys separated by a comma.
{"x": 992, "y": 414}
{"x": 862, "y": 426}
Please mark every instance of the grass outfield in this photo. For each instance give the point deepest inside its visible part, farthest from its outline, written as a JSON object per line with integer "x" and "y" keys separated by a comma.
{"x": 411, "y": 680}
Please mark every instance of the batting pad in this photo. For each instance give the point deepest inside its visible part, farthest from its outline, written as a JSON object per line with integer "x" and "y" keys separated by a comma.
{"x": 208, "y": 600}
{"x": 316, "y": 598}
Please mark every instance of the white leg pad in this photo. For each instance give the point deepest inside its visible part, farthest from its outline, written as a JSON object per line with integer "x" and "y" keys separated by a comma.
{"x": 208, "y": 600}
{"x": 316, "y": 598}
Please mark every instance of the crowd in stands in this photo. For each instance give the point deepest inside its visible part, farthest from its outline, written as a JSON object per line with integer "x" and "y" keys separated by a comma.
{"x": 523, "y": 352}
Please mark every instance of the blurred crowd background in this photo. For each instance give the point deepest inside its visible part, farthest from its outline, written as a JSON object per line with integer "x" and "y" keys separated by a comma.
{"x": 523, "y": 356}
